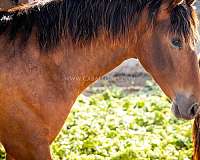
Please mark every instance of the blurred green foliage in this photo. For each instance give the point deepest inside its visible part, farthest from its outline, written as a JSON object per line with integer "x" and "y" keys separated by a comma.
{"x": 115, "y": 126}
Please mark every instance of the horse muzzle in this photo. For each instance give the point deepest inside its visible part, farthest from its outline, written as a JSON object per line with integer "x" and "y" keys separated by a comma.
{"x": 185, "y": 107}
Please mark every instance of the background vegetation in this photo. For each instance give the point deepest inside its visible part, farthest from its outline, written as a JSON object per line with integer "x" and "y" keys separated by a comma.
{"x": 115, "y": 126}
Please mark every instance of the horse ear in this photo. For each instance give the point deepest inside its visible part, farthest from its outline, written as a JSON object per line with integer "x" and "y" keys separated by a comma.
{"x": 163, "y": 11}
{"x": 170, "y": 4}
{"x": 190, "y": 2}
{"x": 174, "y": 3}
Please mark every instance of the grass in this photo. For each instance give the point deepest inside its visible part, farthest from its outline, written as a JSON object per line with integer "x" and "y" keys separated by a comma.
{"x": 115, "y": 126}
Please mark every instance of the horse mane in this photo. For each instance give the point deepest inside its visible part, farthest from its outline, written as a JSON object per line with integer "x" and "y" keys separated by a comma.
{"x": 82, "y": 20}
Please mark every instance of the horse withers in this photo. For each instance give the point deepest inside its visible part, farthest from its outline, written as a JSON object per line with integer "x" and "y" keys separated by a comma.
{"x": 50, "y": 51}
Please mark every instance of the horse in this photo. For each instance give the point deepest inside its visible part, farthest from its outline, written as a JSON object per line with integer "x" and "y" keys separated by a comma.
{"x": 51, "y": 50}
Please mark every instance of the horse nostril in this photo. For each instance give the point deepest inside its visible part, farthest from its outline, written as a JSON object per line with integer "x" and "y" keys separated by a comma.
{"x": 194, "y": 109}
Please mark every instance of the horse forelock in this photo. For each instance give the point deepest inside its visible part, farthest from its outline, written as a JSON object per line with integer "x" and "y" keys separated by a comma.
{"x": 184, "y": 21}
{"x": 82, "y": 19}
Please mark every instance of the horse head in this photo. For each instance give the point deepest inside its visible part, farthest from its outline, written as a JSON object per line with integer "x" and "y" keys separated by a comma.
{"x": 172, "y": 59}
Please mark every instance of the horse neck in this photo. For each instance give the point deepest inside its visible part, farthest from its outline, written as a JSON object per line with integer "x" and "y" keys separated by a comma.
{"x": 84, "y": 64}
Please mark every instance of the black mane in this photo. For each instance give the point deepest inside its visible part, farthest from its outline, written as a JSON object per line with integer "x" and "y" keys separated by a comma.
{"x": 83, "y": 19}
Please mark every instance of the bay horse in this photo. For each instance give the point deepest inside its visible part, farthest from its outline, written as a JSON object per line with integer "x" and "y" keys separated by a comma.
{"x": 50, "y": 51}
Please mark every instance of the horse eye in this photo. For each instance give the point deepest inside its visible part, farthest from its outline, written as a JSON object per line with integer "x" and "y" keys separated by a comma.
{"x": 176, "y": 43}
